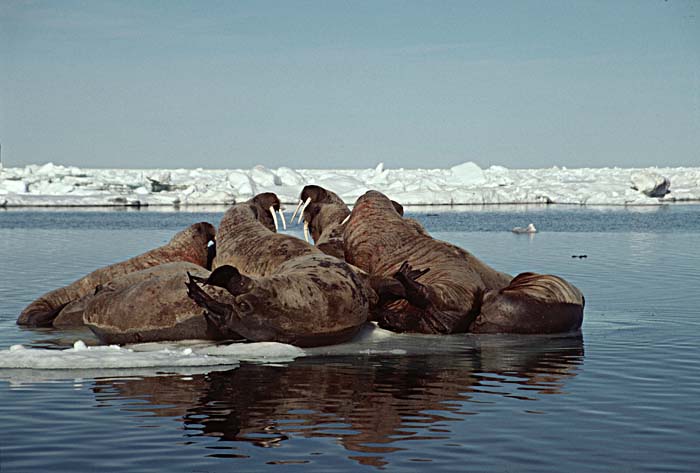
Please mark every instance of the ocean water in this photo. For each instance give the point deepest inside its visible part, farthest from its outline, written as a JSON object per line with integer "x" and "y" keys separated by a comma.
{"x": 624, "y": 395}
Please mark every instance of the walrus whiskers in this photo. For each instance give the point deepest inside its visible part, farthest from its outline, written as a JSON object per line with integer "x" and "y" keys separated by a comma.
{"x": 274, "y": 217}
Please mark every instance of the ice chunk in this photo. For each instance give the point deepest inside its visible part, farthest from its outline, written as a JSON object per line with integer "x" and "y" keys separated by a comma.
{"x": 650, "y": 183}
{"x": 468, "y": 174}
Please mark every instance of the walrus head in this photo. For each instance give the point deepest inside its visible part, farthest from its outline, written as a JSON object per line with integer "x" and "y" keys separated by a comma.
{"x": 266, "y": 207}
{"x": 200, "y": 232}
{"x": 320, "y": 209}
{"x": 375, "y": 203}
{"x": 200, "y": 237}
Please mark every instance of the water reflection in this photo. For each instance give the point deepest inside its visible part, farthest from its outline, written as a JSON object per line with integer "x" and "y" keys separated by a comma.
{"x": 372, "y": 406}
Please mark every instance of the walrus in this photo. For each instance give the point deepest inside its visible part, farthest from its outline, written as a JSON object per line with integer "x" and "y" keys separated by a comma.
{"x": 189, "y": 245}
{"x": 324, "y": 213}
{"x": 280, "y": 288}
{"x": 445, "y": 289}
{"x": 153, "y": 309}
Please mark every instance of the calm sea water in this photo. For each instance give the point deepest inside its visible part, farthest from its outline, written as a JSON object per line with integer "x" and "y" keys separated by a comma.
{"x": 623, "y": 396}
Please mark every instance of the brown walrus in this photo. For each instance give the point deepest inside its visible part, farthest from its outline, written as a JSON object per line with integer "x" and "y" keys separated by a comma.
{"x": 153, "y": 309}
{"x": 72, "y": 314}
{"x": 450, "y": 290}
{"x": 188, "y": 245}
{"x": 280, "y": 288}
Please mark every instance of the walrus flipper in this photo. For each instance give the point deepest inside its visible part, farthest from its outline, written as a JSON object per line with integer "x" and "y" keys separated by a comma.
{"x": 216, "y": 313}
{"x": 416, "y": 293}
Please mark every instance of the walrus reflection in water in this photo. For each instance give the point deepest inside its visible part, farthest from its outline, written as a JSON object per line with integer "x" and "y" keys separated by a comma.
{"x": 378, "y": 400}
{"x": 278, "y": 287}
{"x": 445, "y": 289}
{"x": 189, "y": 245}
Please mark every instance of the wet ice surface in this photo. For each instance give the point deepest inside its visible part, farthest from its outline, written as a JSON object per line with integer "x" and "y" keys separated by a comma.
{"x": 622, "y": 396}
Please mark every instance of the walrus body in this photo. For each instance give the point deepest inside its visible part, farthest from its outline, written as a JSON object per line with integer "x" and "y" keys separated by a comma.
{"x": 154, "y": 309}
{"x": 188, "y": 245}
{"x": 450, "y": 290}
{"x": 280, "y": 288}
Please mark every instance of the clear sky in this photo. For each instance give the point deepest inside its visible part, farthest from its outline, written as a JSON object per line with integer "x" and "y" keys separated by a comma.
{"x": 350, "y": 83}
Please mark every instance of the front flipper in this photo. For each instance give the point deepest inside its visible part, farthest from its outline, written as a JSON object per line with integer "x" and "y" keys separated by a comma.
{"x": 416, "y": 293}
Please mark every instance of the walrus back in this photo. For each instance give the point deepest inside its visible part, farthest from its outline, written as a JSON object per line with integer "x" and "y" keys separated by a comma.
{"x": 185, "y": 246}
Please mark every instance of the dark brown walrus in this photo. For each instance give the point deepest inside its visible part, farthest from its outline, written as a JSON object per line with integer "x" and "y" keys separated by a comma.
{"x": 280, "y": 288}
{"x": 450, "y": 290}
{"x": 187, "y": 245}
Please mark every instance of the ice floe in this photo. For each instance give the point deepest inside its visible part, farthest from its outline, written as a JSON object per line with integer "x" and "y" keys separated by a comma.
{"x": 81, "y": 356}
{"x": 467, "y": 183}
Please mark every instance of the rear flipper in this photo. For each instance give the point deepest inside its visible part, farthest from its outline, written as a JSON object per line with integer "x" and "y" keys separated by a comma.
{"x": 532, "y": 303}
{"x": 217, "y": 314}
{"x": 416, "y": 293}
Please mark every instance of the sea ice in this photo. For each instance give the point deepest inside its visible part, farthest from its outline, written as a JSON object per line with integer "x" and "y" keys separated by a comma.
{"x": 466, "y": 183}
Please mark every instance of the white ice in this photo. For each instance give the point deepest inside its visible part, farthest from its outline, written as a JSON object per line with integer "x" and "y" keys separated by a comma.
{"x": 467, "y": 183}
{"x": 371, "y": 340}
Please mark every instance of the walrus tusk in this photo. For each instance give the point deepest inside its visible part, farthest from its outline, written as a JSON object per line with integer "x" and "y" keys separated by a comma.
{"x": 345, "y": 220}
{"x": 303, "y": 207}
{"x": 274, "y": 217}
{"x": 306, "y": 231}
{"x": 296, "y": 210}
{"x": 284, "y": 222}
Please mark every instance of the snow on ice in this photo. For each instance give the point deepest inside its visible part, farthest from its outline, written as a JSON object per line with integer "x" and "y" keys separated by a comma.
{"x": 467, "y": 183}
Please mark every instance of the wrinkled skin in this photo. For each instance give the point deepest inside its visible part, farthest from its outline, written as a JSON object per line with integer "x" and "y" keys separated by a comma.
{"x": 152, "y": 309}
{"x": 324, "y": 215}
{"x": 430, "y": 286}
{"x": 280, "y": 288}
{"x": 190, "y": 245}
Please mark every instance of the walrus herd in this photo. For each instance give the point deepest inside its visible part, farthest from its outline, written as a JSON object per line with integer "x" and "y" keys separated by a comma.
{"x": 246, "y": 281}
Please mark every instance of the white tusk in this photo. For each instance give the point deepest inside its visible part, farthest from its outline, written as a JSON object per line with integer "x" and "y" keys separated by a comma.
{"x": 306, "y": 231}
{"x": 303, "y": 207}
{"x": 345, "y": 220}
{"x": 296, "y": 210}
{"x": 284, "y": 222}
{"x": 274, "y": 217}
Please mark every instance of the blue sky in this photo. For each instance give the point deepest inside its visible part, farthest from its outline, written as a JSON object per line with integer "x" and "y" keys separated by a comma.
{"x": 349, "y": 84}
